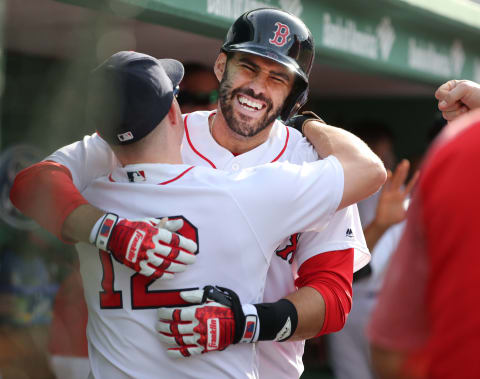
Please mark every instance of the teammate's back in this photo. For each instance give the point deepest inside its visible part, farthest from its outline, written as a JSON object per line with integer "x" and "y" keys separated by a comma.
{"x": 237, "y": 221}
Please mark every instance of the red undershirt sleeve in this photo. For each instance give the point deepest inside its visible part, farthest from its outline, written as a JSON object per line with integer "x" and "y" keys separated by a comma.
{"x": 331, "y": 274}
{"x": 45, "y": 192}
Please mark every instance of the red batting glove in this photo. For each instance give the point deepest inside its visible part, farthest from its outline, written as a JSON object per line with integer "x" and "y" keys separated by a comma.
{"x": 146, "y": 246}
{"x": 202, "y": 328}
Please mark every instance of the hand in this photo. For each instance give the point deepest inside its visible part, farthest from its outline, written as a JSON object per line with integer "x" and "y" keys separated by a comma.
{"x": 149, "y": 246}
{"x": 391, "y": 208}
{"x": 299, "y": 120}
{"x": 457, "y": 97}
{"x": 215, "y": 323}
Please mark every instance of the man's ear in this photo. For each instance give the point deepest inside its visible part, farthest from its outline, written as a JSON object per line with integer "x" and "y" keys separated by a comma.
{"x": 219, "y": 67}
{"x": 173, "y": 114}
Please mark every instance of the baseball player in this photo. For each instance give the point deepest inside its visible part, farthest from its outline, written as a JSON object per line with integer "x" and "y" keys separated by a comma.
{"x": 122, "y": 302}
{"x": 261, "y": 46}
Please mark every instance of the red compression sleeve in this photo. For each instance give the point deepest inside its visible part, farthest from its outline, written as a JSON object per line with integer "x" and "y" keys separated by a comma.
{"x": 331, "y": 274}
{"x": 45, "y": 192}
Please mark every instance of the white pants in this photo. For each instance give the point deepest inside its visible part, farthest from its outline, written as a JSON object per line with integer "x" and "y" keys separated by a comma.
{"x": 69, "y": 367}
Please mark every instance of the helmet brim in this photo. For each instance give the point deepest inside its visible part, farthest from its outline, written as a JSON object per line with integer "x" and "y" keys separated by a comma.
{"x": 263, "y": 52}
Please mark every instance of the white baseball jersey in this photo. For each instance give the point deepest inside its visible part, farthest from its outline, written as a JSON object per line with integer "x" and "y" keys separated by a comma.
{"x": 91, "y": 158}
{"x": 233, "y": 217}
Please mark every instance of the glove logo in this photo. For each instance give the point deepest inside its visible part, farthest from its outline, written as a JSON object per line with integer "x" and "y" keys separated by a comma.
{"x": 106, "y": 227}
{"x": 249, "y": 330}
{"x": 213, "y": 326}
{"x": 134, "y": 246}
{"x": 281, "y": 34}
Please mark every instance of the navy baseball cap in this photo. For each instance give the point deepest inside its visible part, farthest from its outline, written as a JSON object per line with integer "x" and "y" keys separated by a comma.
{"x": 130, "y": 93}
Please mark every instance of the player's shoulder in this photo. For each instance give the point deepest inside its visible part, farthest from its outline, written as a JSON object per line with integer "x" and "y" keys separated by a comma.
{"x": 283, "y": 132}
{"x": 297, "y": 147}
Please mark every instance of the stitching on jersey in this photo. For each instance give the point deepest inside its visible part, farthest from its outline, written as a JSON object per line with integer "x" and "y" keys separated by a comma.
{"x": 284, "y": 147}
{"x": 187, "y": 134}
{"x": 176, "y": 178}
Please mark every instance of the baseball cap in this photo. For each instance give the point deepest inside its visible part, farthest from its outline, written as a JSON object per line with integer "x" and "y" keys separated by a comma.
{"x": 130, "y": 93}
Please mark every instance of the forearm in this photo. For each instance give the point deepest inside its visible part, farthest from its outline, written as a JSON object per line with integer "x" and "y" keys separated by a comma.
{"x": 364, "y": 172}
{"x": 78, "y": 224}
{"x": 311, "y": 313}
{"x": 331, "y": 140}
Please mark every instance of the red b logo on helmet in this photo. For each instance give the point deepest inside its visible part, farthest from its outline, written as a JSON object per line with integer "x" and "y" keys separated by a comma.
{"x": 281, "y": 34}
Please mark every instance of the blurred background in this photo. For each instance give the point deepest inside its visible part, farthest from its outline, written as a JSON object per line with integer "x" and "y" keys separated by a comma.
{"x": 377, "y": 62}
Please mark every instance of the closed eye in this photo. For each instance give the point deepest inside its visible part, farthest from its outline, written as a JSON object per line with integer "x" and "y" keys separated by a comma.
{"x": 248, "y": 67}
{"x": 278, "y": 80}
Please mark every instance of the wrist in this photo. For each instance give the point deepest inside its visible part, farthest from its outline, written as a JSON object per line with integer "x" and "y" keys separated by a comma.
{"x": 252, "y": 324}
{"x": 379, "y": 226}
{"x": 310, "y": 123}
{"x": 276, "y": 321}
{"x": 102, "y": 230}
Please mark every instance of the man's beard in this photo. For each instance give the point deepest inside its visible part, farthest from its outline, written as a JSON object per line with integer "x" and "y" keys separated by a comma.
{"x": 242, "y": 124}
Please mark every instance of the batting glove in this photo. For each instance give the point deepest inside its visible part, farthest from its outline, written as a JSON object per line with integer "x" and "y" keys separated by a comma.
{"x": 298, "y": 121}
{"x": 149, "y": 246}
{"x": 218, "y": 321}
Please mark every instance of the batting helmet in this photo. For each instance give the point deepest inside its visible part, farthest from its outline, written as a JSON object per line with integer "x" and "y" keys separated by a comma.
{"x": 279, "y": 36}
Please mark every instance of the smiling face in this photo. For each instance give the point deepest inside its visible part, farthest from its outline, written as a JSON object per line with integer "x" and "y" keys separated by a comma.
{"x": 252, "y": 92}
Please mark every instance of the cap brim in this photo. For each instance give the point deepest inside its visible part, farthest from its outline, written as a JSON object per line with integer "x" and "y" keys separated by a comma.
{"x": 173, "y": 69}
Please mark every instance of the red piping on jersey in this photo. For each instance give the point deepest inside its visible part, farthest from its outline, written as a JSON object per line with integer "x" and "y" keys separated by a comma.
{"x": 178, "y": 177}
{"x": 191, "y": 145}
{"x": 284, "y": 147}
{"x": 210, "y": 162}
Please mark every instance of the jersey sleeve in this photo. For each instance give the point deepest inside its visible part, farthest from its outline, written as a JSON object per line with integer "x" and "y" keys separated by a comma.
{"x": 287, "y": 198}
{"x": 344, "y": 231}
{"x": 302, "y": 150}
{"x": 331, "y": 275}
{"x": 86, "y": 160}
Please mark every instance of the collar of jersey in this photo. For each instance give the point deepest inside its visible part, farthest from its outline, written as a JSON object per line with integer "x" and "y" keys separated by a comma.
{"x": 155, "y": 173}
{"x": 200, "y": 148}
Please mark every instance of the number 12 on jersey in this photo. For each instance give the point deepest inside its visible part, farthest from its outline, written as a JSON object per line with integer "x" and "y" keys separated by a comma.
{"x": 141, "y": 296}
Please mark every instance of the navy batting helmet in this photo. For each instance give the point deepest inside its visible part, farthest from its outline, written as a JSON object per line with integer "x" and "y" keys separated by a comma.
{"x": 279, "y": 36}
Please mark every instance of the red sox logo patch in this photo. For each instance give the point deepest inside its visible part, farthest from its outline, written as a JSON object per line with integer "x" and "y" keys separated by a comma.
{"x": 281, "y": 34}
{"x": 288, "y": 252}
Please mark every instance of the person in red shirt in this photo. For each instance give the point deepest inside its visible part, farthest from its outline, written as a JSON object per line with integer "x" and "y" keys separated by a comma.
{"x": 427, "y": 320}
